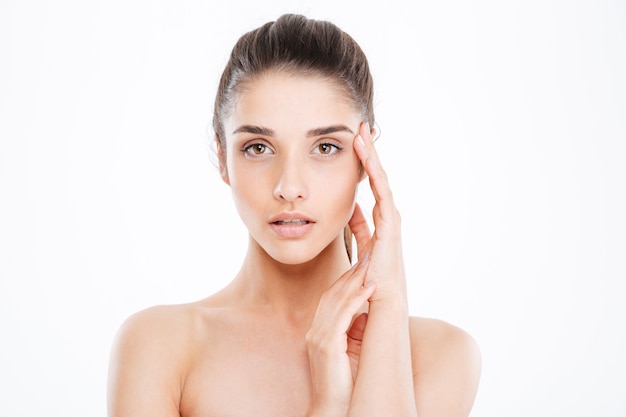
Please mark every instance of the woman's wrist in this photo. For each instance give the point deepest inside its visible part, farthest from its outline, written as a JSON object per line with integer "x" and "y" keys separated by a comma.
{"x": 392, "y": 294}
{"x": 397, "y": 309}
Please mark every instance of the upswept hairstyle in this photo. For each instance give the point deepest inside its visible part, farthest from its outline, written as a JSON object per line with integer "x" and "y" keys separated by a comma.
{"x": 295, "y": 44}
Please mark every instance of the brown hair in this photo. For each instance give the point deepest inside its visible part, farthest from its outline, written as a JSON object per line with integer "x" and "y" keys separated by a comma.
{"x": 296, "y": 44}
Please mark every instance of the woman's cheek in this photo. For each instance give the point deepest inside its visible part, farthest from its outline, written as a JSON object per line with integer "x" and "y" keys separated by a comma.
{"x": 342, "y": 185}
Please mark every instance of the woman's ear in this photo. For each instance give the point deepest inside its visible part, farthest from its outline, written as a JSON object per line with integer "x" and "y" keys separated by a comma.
{"x": 221, "y": 157}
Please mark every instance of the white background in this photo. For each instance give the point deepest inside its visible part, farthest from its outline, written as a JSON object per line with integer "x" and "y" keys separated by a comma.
{"x": 503, "y": 133}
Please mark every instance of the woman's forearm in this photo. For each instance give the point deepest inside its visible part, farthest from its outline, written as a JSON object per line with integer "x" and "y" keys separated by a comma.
{"x": 384, "y": 381}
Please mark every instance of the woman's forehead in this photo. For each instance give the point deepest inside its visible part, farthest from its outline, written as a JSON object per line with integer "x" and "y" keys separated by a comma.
{"x": 276, "y": 100}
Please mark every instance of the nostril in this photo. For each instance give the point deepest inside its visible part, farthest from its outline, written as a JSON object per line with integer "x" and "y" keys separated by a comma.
{"x": 292, "y": 184}
{"x": 289, "y": 192}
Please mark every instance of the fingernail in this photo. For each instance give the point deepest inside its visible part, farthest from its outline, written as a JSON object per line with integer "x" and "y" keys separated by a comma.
{"x": 369, "y": 283}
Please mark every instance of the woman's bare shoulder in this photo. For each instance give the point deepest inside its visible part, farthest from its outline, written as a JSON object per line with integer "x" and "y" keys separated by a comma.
{"x": 155, "y": 322}
{"x": 446, "y": 366}
{"x": 436, "y": 333}
{"x": 151, "y": 355}
{"x": 155, "y": 332}
{"x": 167, "y": 326}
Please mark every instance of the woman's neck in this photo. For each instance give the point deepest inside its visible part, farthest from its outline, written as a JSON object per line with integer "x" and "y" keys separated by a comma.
{"x": 290, "y": 290}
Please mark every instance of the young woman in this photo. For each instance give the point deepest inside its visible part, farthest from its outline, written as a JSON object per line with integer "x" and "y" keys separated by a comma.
{"x": 298, "y": 331}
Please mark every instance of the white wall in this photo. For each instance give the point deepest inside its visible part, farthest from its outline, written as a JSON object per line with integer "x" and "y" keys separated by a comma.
{"x": 503, "y": 133}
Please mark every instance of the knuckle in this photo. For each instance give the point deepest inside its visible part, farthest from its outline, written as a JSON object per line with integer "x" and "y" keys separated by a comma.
{"x": 318, "y": 344}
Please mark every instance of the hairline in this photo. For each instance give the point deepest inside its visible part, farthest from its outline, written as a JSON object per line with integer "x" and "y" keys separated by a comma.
{"x": 291, "y": 70}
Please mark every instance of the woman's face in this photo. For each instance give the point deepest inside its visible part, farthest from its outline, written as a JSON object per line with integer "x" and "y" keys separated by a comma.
{"x": 291, "y": 164}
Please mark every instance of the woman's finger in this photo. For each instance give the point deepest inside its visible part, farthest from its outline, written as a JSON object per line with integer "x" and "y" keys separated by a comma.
{"x": 348, "y": 286}
{"x": 337, "y": 307}
{"x": 364, "y": 147}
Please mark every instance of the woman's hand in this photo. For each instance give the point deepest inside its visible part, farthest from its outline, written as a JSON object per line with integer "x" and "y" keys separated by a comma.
{"x": 384, "y": 384}
{"x": 384, "y": 245}
{"x": 333, "y": 342}
{"x": 336, "y": 335}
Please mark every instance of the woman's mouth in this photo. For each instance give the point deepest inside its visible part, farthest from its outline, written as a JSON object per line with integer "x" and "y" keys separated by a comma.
{"x": 291, "y": 222}
{"x": 290, "y": 226}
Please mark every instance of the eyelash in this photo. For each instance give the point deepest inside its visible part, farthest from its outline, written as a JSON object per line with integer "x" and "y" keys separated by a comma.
{"x": 332, "y": 145}
{"x": 247, "y": 150}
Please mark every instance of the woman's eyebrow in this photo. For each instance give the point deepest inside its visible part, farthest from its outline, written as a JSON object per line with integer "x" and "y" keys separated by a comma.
{"x": 255, "y": 130}
{"x": 320, "y": 131}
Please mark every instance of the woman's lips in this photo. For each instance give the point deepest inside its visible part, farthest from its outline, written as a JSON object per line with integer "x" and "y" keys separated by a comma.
{"x": 292, "y": 228}
{"x": 294, "y": 221}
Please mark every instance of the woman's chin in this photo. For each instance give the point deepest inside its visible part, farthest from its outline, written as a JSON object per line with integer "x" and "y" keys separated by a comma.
{"x": 299, "y": 254}
{"x": 293, "y": 259}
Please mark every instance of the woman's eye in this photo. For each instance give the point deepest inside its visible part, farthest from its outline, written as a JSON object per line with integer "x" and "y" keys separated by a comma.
{"x": 256, "y": 149}
{"x": 327, "y": 148}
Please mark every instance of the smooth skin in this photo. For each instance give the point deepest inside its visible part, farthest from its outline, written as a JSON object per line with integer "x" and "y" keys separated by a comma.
{"x": 299, "y": 331}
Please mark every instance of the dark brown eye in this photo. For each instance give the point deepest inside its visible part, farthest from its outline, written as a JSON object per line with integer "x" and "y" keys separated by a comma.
{"x": 325, "y": 148}
{"x": 258, "y": 149}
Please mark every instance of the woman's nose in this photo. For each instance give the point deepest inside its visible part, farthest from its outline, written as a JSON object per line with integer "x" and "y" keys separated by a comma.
{"x": 291, "y": 184}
